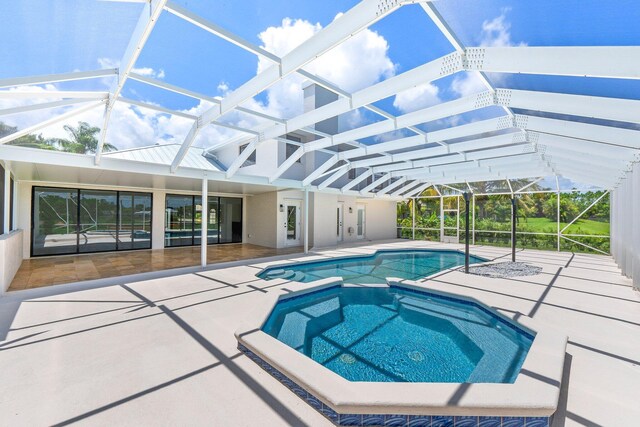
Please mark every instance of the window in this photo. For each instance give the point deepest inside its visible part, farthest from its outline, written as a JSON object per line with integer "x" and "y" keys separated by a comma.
{"x": 251, "y": 160}
{"x": 70, "y": 221}
{"x": 183, "y": 220}
{"x": 352, "y": 174}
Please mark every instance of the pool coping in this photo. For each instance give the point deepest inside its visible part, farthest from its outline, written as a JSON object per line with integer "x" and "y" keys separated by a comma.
{"x": 534, "y": 393}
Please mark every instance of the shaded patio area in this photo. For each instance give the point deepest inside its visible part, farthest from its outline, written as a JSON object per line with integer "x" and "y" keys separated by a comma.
{"x": 162, "y": 351}
{"x": 47, "y": 271}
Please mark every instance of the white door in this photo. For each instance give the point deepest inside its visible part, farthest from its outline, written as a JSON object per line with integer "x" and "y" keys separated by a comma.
{"x": 360, "y": 227}
{"x": 292, "y": 223}
{"x": 340, "y": 222}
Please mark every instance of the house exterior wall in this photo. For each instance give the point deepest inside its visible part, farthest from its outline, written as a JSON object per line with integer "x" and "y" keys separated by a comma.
{"x": 261, "y": 219}
{"x": 10, "y": 257}
{"x": 380, "y": 219}
{"x": 23, "y": 213}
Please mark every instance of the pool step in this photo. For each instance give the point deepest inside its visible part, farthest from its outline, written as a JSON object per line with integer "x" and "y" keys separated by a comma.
{"x": 299, "y": 327}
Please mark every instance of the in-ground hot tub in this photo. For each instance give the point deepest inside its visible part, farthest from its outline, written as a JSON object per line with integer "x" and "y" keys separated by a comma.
{"x": 404, "y": 354}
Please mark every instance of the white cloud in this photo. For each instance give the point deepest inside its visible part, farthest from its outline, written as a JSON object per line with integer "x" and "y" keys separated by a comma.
{"x": 421, "y": 96}
{"x": 358, "y": 62}
{"x": 129, "y": 126}
{"x": 467, "y": 83}
{"x": 495, "y": 33}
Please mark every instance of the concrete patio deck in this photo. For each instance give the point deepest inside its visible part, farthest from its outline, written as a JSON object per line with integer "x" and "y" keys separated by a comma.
{"x": 163, "y": 352}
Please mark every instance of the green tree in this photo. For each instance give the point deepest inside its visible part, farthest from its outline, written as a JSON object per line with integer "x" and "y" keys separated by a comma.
{"x": 31, "y": 141}
{"x": 83, "y": 140}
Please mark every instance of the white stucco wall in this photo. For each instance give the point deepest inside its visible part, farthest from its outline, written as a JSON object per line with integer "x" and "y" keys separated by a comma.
{"x": 380, "y": 219}
{"x": 10, "y": 257}
{"x": 261, "y": 219}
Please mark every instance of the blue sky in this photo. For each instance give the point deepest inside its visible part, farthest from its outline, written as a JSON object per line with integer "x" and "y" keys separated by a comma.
{"x": 47, "y": 36}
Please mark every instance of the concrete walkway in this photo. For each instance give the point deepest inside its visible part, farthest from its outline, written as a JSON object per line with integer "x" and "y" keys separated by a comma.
{"x": 162, "y": 351}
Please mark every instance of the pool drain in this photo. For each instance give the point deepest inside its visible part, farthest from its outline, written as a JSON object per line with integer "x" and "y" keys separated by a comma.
{"x": 416, "y": 356}
{"x": 348, "y": 359}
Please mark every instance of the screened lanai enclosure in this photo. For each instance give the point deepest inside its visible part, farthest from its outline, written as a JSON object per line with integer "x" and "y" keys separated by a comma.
{"x": 495, "y": 102}
{"x": 546, "y": 217}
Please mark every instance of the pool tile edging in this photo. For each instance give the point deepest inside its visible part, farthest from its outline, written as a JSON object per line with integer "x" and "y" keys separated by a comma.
{"x": 392, "y": 419}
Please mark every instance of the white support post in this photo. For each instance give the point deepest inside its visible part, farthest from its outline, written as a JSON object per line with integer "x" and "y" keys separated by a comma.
{"x": 204, "y": 222}
{"x": 306, "y": 220}
{"x": 558, "y": 211}
{"x": 7, "y": 197}
{"x": 441, "y": 218}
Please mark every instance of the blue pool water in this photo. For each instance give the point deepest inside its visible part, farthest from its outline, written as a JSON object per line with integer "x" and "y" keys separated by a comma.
{"x": 400, "y": 335}
{"x": 406, "y": 264}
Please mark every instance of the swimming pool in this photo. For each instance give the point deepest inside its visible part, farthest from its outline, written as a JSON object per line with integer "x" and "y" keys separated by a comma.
{"x": 394, "y": 334}
{"x": 372, "y": 269}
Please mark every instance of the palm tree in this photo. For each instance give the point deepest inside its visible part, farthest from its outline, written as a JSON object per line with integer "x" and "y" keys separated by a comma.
{"x": 83, "y": 140}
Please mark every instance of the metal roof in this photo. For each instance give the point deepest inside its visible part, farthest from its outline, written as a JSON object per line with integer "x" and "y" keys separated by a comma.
{"x": 164, "y": 155}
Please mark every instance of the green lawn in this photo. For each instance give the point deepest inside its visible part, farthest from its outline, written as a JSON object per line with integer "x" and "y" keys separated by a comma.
{"x": 581, "y": 226}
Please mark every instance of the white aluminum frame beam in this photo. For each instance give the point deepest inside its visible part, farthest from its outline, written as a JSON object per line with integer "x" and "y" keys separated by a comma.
{"x": 320, "y": 170}
{"x": 364, "y": 175}
{"x": 416, "y": 191}
{"x": 598, "y": 133}
{"x": 359, "y": 17}
{"x": 43, "y": 106}
{"x": 53, "y": 94}
{"x": 54, "y": 78}
{"x": 391, "y": 186}
{"x": 139, "y": 37}
{"x": 375, "y": 183}
{"x": 405, "y": 187}
{"x": 51, "y": 121}
{"x": 340, "y": 171}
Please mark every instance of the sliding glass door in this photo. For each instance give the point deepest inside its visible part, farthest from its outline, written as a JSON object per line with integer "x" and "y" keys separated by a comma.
{"x": 183, "y": 220}
{"x": 230, "y": 220}
{"x": 179, "y": 221}
{"x": 98, "y": 218}
{"x": 54, "y": 221}
{"x": 134, "y": 221}
{"x": 69, "y": 221}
